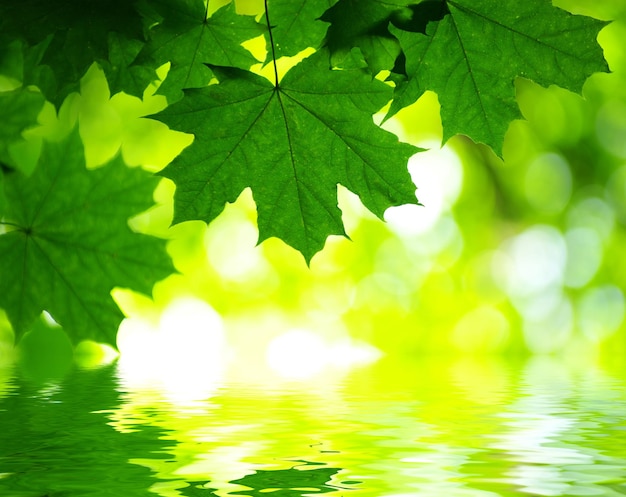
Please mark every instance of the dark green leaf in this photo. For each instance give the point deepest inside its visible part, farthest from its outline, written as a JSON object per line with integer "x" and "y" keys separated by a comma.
{"x": 189, "y": 40}
{"x": 38, "y": 74}
{"x": 75, "y": 33}
{"x": 472, "y": 56}
{"x": 70, "y": 243}
{"x": 19, "y": 110}
{"x": 417, "y": 16}
{"x": 296, "y": 25}
{"x": 292, "y": 145}
{"x": 123, "y": 74}
{"x": 11, "y": 58}
{"x": 363, "y": 24}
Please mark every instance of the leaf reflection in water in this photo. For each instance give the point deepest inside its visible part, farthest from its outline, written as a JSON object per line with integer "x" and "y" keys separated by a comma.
{"x": 470, "y": 427}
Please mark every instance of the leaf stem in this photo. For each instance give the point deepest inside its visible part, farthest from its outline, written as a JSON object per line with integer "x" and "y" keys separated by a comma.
{"x": 269, "y": 28}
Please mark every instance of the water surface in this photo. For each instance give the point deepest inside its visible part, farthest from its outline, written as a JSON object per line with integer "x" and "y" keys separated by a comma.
{"x": 477, "y": 427}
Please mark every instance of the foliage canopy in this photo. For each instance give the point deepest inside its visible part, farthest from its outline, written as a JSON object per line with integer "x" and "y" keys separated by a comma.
{"x": 292, "y": 137}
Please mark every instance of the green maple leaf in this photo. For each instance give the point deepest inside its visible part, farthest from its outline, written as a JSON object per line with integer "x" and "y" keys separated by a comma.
{"x": 296, "y": 25}
{"x": 189, "y": 40}
{"x": 19, "y": 109}
{"x": 24, "y": 64}
{"x": 10, "y": 57}
{"x": 363, "y": 24}
{"x": 122, "y": 71}
{"x": 73, "y": 34}
{"x": 70, "y": 243}
{"x": 292, "y": 144}
{"x": 472, "y": 56}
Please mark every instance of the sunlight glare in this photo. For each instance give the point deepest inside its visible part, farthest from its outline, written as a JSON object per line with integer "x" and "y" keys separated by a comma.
{"x": 534, "y": 262}
{"x": 239, "y": 259}
{"x": 302, "y": 354}
{"x": 183, "y": 355}
{"x": 296, "y": 354}
{"x": 438, "y": 175}
{"x": 584, "y": 256}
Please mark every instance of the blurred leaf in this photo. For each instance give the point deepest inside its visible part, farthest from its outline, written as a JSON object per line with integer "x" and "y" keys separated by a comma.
{"x": 472, "y": 56}
{"x": 71, "y": 244}
{"x": 11, "y": 58}
{"x": 19, "y": 109}
{"x": 73, "y": 33}
{"x": 45, "y": 352}
{"x": 292, "y": 145}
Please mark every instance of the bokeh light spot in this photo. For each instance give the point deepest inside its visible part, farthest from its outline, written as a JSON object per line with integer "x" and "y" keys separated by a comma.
{"x": 484, "y": 329}
{"x": 535, "y": 261}
{"x": 601, "y": 312}
{"x": 584, "y": 256}
{"x": 548, "y": 183}
{"x": 593, "y": 213}
{"x": 548, "y": 323}
{"x": 611, "y": 127}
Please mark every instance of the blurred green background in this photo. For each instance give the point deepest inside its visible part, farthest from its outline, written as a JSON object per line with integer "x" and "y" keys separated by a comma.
{"x": 515, "y": 256}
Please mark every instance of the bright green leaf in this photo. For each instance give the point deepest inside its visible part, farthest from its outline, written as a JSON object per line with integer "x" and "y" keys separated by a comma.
{"x": 69, "y": 243}
{"x": 472, "y": 56}
{"x": 292, "y": 145}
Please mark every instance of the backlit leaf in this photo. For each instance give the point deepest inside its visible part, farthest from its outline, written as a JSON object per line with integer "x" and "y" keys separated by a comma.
{"x": 472, "y": 56}
{"x": 292, "y": 145}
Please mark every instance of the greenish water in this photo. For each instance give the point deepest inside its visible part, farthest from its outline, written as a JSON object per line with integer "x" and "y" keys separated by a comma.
{"x": 456, "y": 428}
